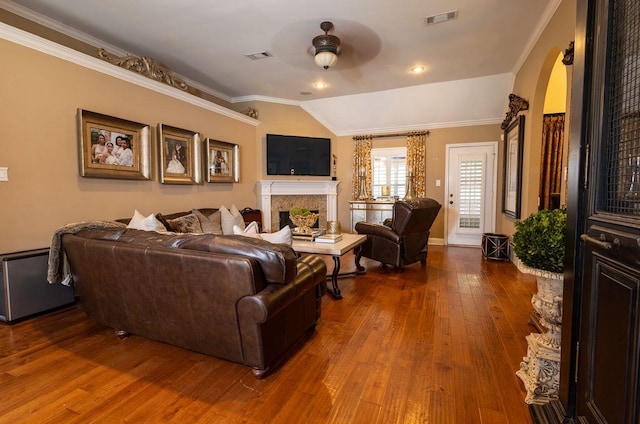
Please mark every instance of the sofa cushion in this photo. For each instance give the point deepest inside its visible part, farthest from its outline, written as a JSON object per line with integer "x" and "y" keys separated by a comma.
{"x": 210, "y": 224}
{"x": 229, "y": 218}
{"x": 277, "y": 261}
{"x": 148, "y": 223}
{"x": 186, "y": 224}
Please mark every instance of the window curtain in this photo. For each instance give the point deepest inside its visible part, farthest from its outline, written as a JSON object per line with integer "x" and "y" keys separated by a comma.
{"x": 362, "y": 173}
{"x": 551, "y": 160}
{"x": 416, "y": 162}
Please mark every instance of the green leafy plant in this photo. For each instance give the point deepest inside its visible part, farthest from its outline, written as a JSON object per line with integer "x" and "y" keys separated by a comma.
{"x": 539, "y": 241}
{"x": 298, "y": 211}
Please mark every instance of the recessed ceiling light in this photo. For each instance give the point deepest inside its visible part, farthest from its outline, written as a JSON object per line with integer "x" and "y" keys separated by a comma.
{"x": 320, "y": 85}
{"x": 417, "y": 69}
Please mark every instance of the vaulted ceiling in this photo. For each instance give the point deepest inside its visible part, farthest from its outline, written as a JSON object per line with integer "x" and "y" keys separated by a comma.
{"x": 469, "y": 60}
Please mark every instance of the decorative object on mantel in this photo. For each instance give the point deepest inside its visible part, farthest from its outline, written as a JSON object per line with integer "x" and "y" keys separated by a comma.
{"x": 516, "y": 104}
{"x": 303, "y": 219}
{"x": 539, "y": 244}
{"x": 568, "y": 55}
{"x": 145, "y": 66}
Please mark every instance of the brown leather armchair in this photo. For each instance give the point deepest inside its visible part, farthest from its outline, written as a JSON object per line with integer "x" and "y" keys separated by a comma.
{"x": 401, "y": 240}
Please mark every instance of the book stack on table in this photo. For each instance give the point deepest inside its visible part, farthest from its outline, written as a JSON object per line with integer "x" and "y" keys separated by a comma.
{"x": 328, "y": 238}
{"x": 306, "y": 236}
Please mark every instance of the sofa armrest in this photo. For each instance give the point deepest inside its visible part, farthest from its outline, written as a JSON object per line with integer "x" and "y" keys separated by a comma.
{"x": 258, "y": 308}
{"x": 368, "y": 228}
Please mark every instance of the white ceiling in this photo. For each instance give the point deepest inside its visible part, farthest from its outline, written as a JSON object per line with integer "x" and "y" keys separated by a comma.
{"x": 206, "y": 41}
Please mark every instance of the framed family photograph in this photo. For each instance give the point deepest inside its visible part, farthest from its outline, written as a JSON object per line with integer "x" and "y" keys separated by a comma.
{"x": 180, "y": 155}
{"x": 223, "y": 162}
{"x": 112, "y": 147}
{"x": 512, "y": 190}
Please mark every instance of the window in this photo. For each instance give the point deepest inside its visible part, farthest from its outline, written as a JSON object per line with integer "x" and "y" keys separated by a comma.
{"x": 389, "y": 165}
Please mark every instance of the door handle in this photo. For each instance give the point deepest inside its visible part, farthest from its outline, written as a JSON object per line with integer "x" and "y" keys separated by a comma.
{"x": 603, "y": 244}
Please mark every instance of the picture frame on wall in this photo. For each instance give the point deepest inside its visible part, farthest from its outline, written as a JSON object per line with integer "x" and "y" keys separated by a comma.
{"x": 223, "y": 161}
{"x": 180, "y": 155}
{"x": 111, "y": 147}
{"x": 512, "y": 184}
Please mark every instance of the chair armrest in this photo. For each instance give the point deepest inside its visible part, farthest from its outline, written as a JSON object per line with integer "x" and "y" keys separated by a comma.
{"x": 379, "y": 230}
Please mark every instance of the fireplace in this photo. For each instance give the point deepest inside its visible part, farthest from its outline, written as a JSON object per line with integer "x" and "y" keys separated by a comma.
{"x": 275, "y": 196}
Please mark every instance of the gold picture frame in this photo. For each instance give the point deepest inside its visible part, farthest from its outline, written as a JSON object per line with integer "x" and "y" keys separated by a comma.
{"x": 180, "y": 155}
{"x": 223, "y": 162}
{"x": 111, "y": 147}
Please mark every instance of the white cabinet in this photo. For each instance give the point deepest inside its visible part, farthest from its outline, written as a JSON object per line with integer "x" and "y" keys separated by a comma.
{"x": 375, "y": 211}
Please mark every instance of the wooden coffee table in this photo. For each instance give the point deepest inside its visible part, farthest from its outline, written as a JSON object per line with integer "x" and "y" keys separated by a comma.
{"x": 336, "y": 251}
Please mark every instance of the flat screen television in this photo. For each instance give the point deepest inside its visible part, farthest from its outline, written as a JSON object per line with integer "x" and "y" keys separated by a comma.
{"x": 294, "y": 155}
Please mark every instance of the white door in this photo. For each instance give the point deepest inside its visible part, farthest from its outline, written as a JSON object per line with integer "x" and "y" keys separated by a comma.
{"x": 470, "y": 192}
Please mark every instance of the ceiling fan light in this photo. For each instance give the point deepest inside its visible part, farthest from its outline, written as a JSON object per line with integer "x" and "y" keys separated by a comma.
{"x": 326, "y": 59}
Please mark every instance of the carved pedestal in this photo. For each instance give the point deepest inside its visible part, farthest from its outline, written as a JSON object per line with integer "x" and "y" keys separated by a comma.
{"x": 540, "y": 369}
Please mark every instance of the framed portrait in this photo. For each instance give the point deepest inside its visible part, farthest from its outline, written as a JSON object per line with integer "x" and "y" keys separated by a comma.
{"x": 223, "y": 162}
{"x": 180, "y": 155}
{"x": 512, "y": 184}
{"x": 113, "y": 147}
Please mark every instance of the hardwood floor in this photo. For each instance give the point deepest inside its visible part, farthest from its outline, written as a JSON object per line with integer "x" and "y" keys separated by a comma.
{"x": 434, "y": 344}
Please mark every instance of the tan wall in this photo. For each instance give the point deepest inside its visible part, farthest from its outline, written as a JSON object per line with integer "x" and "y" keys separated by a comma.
{"x": 38, "y": 141}
{"x": 531, "y": 83}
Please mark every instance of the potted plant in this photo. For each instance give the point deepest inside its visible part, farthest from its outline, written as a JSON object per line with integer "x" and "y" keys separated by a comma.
{"x": 539, "y": 243}
{"x": 303, "y": 219}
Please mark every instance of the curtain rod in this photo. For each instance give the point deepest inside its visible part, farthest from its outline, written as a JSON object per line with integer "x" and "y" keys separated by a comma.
{"x": 405, "y": 134}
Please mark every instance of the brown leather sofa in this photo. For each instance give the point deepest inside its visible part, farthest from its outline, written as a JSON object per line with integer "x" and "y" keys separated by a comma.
{"x": 233, "y": 297}
{"x": 403, "y": 239}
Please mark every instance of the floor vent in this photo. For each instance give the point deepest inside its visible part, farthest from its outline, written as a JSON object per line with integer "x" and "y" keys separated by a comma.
{"x": 441, "y": 17}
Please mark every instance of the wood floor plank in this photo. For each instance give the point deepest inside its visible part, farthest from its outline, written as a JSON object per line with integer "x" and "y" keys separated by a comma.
{"x": 431, "y": 344}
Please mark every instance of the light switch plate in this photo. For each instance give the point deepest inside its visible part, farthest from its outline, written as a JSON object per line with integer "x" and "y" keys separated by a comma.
{"x": 4, "y": 173}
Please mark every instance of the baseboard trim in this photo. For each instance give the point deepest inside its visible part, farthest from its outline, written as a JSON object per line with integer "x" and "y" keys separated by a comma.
{"x": 436, "y": 241}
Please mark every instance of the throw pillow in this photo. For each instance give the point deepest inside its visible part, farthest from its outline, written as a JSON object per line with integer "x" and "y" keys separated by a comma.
{"x": 229, "y": 218}
{"x": 250, "y": 231}
{"x": 211, "y": 224}
{"x": 282, "y": 236}
{"x": 186, "y": 224}
{"x": 149, "y": 223}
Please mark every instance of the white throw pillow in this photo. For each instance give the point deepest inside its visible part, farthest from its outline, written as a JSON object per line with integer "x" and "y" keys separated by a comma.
{"x": 250, "y": 231}
{"x": 282, "y": 236}
{"x": 229, "y": 218}
{"x": 148, "y": 223}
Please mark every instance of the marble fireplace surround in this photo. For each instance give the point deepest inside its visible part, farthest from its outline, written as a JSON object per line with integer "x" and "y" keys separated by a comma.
{"x": 277, "y": 195}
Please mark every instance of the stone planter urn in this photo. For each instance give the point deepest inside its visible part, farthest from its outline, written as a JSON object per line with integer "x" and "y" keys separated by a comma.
{"x": 540, "y": 369}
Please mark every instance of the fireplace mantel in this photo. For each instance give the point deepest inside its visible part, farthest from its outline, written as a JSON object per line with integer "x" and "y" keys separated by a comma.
{"x": 267, "y": 188}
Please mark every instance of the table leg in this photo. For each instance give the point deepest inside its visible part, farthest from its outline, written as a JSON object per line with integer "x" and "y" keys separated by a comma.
{"x": 335, "y": 293}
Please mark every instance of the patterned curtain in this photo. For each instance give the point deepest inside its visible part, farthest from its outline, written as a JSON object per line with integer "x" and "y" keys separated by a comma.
{"x": 362, "y": 167}
{"x": 551, "y": 160}
{"x": 416, "y": 162}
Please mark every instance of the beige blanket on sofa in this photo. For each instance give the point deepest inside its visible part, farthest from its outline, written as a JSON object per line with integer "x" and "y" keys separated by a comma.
{"x": 56, "y": 272}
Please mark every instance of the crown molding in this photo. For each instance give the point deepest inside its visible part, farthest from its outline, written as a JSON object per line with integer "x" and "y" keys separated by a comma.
{"x": 42, "y": 45}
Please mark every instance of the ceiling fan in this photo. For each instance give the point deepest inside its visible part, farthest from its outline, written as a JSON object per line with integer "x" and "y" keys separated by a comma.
{"x": 327, "y": 47}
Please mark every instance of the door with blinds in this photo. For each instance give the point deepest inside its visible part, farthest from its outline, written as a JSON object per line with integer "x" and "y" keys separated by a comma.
{"x": 470, "y": 190}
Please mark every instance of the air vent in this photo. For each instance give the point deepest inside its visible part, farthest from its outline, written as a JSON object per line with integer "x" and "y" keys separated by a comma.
{"x": 441, "y": 17}
{"x": 257, "y": 56}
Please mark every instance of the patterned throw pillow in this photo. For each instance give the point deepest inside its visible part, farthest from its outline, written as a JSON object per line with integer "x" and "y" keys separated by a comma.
{"x": 211, "y": 224}
{"x": 186, "y": 224}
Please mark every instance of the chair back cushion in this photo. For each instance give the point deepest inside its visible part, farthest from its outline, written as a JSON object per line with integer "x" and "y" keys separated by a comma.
{"x": 414, "y": 216}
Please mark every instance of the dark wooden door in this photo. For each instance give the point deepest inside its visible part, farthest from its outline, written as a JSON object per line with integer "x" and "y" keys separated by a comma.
{"x": 608, "y": 289}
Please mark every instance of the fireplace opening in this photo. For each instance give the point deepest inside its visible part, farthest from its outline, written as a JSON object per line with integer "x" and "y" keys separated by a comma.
{"x": 285, "y": 220}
